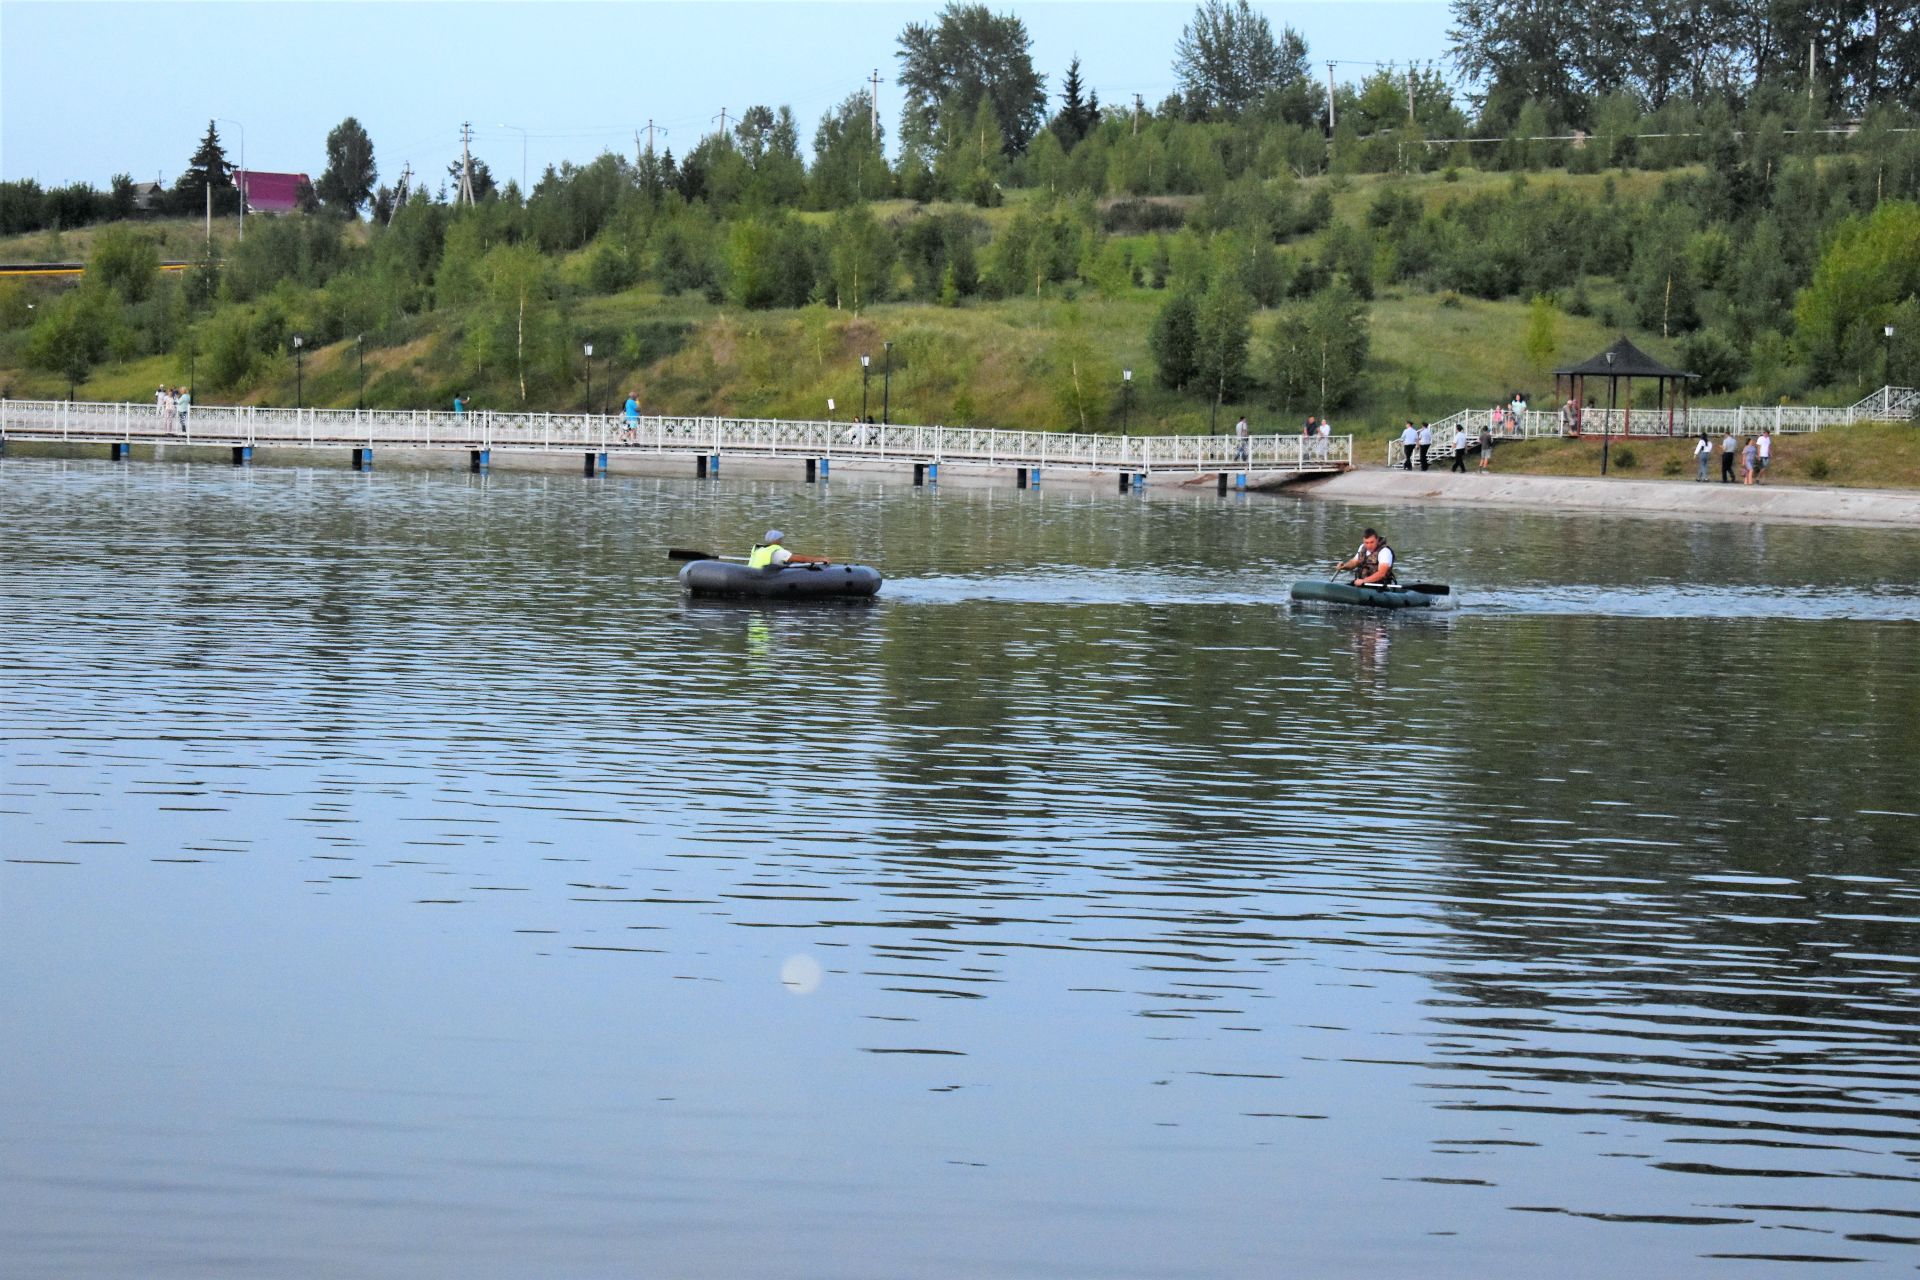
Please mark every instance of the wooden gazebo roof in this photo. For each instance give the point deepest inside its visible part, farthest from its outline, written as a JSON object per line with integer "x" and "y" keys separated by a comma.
{"x": 1628, "y": 361}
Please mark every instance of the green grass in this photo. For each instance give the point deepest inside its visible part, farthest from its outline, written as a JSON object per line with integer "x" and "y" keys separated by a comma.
{"x": 1863, "y": 456}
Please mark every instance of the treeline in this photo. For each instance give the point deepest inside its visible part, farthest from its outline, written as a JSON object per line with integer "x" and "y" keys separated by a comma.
{"x": 1842, "y": 57}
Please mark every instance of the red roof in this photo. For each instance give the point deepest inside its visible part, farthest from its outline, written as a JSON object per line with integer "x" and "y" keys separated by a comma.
{"x": 270, "y": 192}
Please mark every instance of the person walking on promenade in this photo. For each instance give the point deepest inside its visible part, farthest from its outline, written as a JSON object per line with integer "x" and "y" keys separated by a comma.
{"x": 182, "y": 402}
{"x": 163, "y": 406}
{"x": 1459, "y": 448}
{"x": 1409, "y": 438}
{"x": 1242, "y": 436}
{"x": 1486, "y": 450}
{"x": 1728, "y": 448}
{"x": 1324, "y": 445}
{"x": 631, "y": 411}
{"x": 1749, "y": 462}
{"x": 1702, "y": 451}
{"x": 1765, "y": 447}
{"x": 1425, "y": 441}
{"x": 459, "y": 404}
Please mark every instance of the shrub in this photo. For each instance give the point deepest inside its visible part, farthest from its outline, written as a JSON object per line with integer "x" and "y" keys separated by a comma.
{"x": 1625, "y": 458}
{"x": 1818, "y": 469}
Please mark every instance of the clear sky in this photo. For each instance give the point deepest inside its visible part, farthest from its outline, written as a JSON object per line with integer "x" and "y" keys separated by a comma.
{"x": 90, "y": 90}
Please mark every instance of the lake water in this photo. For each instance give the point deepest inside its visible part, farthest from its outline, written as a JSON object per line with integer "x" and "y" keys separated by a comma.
{"x": 399, "y": 879}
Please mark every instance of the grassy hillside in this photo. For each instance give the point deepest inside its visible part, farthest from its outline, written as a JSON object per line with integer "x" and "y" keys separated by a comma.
{"x": 1050, "y": 361}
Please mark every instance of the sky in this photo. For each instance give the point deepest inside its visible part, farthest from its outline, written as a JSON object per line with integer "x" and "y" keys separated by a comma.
{"x": 90, "y": 90}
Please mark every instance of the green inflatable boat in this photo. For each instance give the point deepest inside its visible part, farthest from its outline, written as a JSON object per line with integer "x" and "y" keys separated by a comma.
{"x": 1368, "y": 597}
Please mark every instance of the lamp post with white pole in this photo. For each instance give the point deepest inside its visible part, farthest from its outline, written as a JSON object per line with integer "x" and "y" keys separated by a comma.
{"x": 298, "y": 383}
{"x": 1886, "y": 361}
{"x": 1126, "y": 399}
{"x": 243, "y": 168}
{"x": 866, "y": 372}
{"x": 589, "y": 351}
{"x": 523, "y": 156}
{"x": 886, "y": 387}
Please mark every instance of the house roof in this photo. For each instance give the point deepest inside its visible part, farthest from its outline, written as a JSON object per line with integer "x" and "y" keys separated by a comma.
{"x": 270, "y": 192}
{"x": 1624, "y": 360}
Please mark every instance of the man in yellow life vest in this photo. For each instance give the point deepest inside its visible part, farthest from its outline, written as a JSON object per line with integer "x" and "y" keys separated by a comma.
{"x": 769, "y": 554}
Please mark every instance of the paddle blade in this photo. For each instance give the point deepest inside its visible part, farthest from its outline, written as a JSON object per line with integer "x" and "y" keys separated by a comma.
{"x": 681, "y": 553}
{"x": 1430, "y": 588}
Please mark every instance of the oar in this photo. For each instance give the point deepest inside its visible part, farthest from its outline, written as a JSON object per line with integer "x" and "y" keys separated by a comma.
{"x": 1430, "y": 588}
{"x": 682, "y": 553}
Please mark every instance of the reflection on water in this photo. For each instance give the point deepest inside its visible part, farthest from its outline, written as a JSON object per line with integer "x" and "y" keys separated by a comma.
{"x": 401, "y": 879}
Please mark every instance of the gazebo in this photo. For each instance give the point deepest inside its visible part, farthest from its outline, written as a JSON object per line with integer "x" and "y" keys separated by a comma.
{"x": 1624, "y": 362}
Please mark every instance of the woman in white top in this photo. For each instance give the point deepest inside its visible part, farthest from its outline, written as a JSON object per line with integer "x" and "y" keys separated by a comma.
{"x": 1702, "y": 452}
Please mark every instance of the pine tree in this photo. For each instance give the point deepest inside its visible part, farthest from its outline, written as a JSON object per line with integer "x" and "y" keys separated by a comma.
{"x": 1076, "y": 115}
{"x": 209, "y": 164}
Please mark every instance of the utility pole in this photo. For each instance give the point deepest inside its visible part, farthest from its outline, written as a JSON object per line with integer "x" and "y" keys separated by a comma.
{"x": 1137, "y": 105}
{"x": 402, "y": 191}
{"x": 466, "y": 164}
{"x": 1809, "y": 72}
{"x": 722, "y": 118}
{"x": 652, "y": 129}
{"x": 873, "y": 101}
{"x": 1329, "y": 99}
{"x": 1409, "y": 93}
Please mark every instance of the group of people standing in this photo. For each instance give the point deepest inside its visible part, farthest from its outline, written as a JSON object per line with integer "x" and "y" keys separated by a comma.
{"x": 173, "y": 404}
{"x": 1416, "y": 442}
{"x": 1755, "y": 455}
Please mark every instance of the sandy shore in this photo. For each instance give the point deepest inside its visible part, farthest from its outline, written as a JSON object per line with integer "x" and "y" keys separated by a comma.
{"x": 1682, "y": 498}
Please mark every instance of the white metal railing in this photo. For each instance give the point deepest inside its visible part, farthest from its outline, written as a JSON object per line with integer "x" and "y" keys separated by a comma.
{"x": 493, "y": 430}
{"x": 1889, "y": 404}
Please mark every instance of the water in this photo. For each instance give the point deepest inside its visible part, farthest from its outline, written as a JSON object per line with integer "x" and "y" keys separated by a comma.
{"x": 401, "y": 880}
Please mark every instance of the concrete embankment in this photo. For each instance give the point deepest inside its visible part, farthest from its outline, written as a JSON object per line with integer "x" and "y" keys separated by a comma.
{"x": 1577, "y": 495}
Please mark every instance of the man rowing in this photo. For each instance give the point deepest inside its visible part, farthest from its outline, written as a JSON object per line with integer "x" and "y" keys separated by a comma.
{"x": 1372, "y": 564}
{"x": 769, "y": 554}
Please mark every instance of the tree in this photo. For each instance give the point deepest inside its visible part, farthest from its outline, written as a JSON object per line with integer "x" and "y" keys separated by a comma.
{"x": 482, "y": 178}
{"x": 1542, "y": 330}
{"x": 1079, "y": 110}
{"x": 1871, "y": 266}
{"x": 1319, "y": 350}
{"x": 964, "y": 58}
{"x": 1174, "y": 340}
{"x": 125, "y": 262}
{"x": 1222, "y": 330}
{"x": 1228, "y": 61}
{"x": 350, "y": 174}
{"x": 208, "y": 165}
{"x": 859, "y": 258}
{"x": 849, "y": 162}
{"x": 74, "y": 332}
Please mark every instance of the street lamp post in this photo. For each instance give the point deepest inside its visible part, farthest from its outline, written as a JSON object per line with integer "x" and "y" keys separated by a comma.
{"x": 243, "y": 168}
{"x": 589, "y": 351}
{"x": 523, "y": 157}
{"x": 298, "y": 383}
{"x": 193, "y": 352}
{"x": 866, "y": 371}
{"x": 886, "y": 387}
{"x": 1126, "y": 399}
{"x": 1886, "y": 371}
{"x": 361, "y": 341}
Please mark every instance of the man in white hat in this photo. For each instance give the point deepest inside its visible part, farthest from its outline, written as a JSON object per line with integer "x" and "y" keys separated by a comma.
{"x": 769, "y": 554}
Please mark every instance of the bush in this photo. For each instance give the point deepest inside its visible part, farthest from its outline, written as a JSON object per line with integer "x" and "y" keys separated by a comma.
{"x": 1625, "y": 458}
{"x": 1671, "y": 467}
{"x": 1818, "y": 469}
{"x": 1143, "y": 216}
